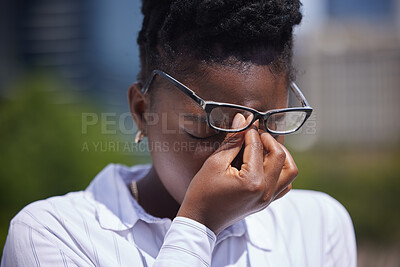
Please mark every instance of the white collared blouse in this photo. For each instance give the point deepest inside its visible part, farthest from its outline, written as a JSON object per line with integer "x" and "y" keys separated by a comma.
{"x": 105, "y": 226}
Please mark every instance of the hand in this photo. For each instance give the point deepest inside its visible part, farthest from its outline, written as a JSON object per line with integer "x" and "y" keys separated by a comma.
{"x": 220, "y": 195}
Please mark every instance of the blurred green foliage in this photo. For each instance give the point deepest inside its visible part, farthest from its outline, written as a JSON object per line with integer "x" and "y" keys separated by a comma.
{"x": 365, "y": 181}
{"x": 41, "y": 145}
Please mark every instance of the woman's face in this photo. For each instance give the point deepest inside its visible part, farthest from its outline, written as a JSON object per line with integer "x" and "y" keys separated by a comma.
{"x": 180, "y": 140}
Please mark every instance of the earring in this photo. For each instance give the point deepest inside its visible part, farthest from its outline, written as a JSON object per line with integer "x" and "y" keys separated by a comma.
{"x": 139, "y": 136}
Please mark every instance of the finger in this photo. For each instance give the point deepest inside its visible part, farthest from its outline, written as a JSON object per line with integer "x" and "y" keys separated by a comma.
{"x": 231, "y": 145}
{"x": 289, "y": 161}
{"x": 289, "y": 172}
{"x": 284, "y": 192}
{"x": 274, "y": 158}
{"x": 287, "y": 176}
{"x": 253, "y": 151}
{"x": 273, "y": 162}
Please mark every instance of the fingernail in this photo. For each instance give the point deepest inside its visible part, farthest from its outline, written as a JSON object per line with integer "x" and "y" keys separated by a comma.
{"x": 238, "y": 120}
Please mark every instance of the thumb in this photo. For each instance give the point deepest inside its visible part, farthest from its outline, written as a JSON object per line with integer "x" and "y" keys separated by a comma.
{"x": 231, "y": 145}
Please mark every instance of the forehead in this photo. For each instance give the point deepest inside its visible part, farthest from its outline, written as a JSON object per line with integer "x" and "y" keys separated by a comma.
{"x": 248, "y": 85}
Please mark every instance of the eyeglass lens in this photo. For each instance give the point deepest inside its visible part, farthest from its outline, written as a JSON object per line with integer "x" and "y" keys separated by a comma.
{"x": 222, "y": 118}
{"x": 280, "y": 123}
{"x": 285, "y": 122}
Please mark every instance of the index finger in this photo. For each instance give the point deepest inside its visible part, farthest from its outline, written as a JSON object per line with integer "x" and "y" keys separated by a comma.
{"x": 231, "y": 145}
{"x": 253, "y": 150}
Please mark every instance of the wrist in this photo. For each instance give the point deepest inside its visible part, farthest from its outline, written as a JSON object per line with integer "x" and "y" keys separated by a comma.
{"x": 198, "y": 216}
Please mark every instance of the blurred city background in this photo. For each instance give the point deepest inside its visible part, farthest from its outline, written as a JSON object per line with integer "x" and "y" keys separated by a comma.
{"x": 66, "y": 65}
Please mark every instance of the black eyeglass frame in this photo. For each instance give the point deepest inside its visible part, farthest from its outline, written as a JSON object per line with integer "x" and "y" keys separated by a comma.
{"x": 208, "y": 106}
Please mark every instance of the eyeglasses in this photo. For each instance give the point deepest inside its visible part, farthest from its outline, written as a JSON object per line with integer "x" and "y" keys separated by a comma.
{"x": 220, "y": 115}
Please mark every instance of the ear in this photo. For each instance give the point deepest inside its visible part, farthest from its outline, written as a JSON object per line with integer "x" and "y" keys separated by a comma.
{"x": 138, "y": 104}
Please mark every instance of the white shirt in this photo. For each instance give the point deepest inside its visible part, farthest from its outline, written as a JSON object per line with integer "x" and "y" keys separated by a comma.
{"x": 105, "y": 226}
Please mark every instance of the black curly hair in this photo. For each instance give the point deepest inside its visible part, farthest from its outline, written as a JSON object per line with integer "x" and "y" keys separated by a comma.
{"x": 255, "y": 31}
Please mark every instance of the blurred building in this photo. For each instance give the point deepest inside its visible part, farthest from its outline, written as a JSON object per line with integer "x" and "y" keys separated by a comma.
{"x": 90, "y": 43}
{"x": 349, "y": 67}
{"x": 42, "y": 34}
{"x": 347, "y": 53}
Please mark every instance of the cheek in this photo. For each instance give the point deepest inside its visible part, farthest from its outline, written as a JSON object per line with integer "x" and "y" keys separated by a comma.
{"x": 176, "y": 158}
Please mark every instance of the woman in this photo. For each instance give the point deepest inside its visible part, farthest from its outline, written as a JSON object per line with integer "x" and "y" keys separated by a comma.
{"x": 212, "y": 100}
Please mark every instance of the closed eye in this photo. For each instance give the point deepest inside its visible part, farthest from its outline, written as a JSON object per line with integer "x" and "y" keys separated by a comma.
{"x": 196, "y": 137}
{"x": 196, "y": 126}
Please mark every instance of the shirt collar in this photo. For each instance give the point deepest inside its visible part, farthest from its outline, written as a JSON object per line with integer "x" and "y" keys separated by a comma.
{"x": 117, "y": 210}
{"x": 254, "y": 229}
{"x": 237, "y": 229}
{"x": 259, "y": 229}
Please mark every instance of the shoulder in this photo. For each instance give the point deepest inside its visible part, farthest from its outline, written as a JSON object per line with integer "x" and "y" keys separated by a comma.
{"x": 54, "y": 212}
{"x": 309, "y": 226}
{"x": 306, "y": 210}
{"x": 312, "y": 210}
{"x": 51, "y": 221}
{"x": 48, "y": 227}
{"x": 310, "y": 203}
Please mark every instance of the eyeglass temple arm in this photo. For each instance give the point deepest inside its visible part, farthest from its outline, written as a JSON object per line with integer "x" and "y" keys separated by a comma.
{"x": 299, "y": 94}
{"x": 147, "y": 84}
{"x": 184, "y": 89}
